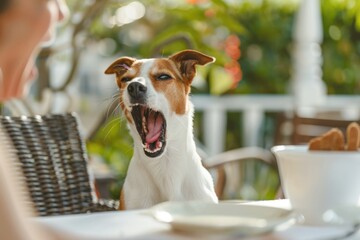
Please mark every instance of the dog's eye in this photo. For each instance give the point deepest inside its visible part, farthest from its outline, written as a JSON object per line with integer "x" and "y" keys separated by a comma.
{"x": 163, "y": 77}
{"x": 125, "y": 79}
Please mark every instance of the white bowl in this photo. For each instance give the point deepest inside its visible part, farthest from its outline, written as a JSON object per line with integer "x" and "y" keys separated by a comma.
{"x": 316, "y": 181}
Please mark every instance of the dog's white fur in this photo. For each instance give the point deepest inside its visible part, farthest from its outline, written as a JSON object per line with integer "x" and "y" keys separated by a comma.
{"x": 177, "y": 174}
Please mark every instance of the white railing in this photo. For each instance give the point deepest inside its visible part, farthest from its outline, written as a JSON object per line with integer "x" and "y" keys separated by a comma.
{"x": 253, "y": 108}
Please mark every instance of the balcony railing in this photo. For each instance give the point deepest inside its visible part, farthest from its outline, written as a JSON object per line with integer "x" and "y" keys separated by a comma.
{"x": 253, "y": 109}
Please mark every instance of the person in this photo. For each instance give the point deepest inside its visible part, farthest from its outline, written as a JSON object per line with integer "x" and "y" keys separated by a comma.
{"x": 25, "y": 25}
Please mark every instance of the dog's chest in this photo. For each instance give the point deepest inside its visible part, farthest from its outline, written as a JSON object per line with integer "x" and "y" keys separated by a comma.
{"x": 168, "y": 173}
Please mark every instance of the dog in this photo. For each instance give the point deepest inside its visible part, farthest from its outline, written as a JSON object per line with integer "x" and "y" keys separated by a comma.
{"x": 154, "y": 98}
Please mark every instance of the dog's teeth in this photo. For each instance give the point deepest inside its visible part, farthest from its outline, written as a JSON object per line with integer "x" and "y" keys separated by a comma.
{"x": 144, "y": 125}
{"x": 149, "y": 150}
{"x": 146, "y": 146}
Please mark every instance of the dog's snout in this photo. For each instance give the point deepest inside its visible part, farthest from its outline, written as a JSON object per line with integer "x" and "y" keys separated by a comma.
{"x": 137, "y": 91}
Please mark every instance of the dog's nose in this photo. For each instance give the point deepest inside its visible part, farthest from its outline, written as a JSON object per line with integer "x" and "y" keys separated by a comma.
{"x": 137, "y": 91}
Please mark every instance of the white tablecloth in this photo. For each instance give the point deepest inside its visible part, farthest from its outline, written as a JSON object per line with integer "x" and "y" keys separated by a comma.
{"x": 140, "y": 224}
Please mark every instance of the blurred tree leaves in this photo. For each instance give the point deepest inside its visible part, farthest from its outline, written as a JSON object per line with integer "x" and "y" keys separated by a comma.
{"x": 220, "y": 80}
{"x": 263, "y": 27}
{"x": 341, "y": 46}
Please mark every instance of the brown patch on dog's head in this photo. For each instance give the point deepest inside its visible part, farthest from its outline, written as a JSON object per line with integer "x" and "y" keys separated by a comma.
{"x": 175, "y": 88}
{"x": 172, "y": 76}
{"x": 124, "y": 67}
{"x": 181, "y": 68}
{"x": 187, "y": 60}
{"x": 120, "y": 66}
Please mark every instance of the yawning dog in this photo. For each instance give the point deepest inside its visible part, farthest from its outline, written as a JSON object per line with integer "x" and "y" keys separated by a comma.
{"x": 154, "y": 98}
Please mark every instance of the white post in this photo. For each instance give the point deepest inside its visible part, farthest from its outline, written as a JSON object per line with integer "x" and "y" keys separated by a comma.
{"x": 307, "y": 85}
{"x": 214, "y": 129}
{"x": 252, "y": 120}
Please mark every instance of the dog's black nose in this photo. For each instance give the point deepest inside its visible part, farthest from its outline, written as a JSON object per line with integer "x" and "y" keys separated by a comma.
{"x": 137, "y": 91}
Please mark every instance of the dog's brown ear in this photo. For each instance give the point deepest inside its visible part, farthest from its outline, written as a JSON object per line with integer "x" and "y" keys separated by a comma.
{"x": 120, "y": 66}
{"x": 187, "y": 60}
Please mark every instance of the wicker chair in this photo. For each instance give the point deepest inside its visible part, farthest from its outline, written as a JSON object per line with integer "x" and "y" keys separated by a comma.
{"x": 54, "y": 163}
{"x": 219, "y": 161}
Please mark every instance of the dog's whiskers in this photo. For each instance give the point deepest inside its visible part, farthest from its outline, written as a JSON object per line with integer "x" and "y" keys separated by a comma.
{"x": 116, "y": 94}
{"x": 109, "y": 132}
{"x": 115, "y": 110}
{"x": 112, "y": 122}
{"x": 114, "y": 99}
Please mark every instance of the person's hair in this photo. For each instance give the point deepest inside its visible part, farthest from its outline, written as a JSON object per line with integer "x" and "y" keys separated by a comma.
{"x": 4, "y": 4}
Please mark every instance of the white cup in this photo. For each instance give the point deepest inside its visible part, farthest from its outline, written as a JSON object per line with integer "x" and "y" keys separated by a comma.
{"x": 316, "y": 181}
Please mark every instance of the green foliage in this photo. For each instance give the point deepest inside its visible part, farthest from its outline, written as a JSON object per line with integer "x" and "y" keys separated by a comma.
{"x": 341, "y": 46}
{"x": 265, "y": 49}
{"x": 263, "y": 27}
{"x": 114, "y": 144}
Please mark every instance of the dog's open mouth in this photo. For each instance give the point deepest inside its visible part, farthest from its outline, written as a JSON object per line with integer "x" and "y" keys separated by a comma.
{"x": 151, "y": 126}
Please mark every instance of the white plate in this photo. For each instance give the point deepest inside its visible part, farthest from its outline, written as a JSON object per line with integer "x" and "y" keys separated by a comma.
{"x": 237, "y": 219}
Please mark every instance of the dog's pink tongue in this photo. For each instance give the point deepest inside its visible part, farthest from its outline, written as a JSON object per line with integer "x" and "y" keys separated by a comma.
{"x": 154, "y": 125}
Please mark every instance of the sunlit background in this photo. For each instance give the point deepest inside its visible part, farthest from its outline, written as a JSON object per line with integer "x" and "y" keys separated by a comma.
{"x": 251, "y": 40}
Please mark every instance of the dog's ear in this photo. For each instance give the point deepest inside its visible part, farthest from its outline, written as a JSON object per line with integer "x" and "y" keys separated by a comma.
{"x": 187, "y": 60}
{"x": 120, "y": 66}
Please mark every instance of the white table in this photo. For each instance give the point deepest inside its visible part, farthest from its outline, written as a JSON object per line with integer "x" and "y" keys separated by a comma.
{"x": 140, "y": 225}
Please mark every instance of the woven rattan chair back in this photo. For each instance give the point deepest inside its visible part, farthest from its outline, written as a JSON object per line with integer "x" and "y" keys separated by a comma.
{"x": 54, "y": 163}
